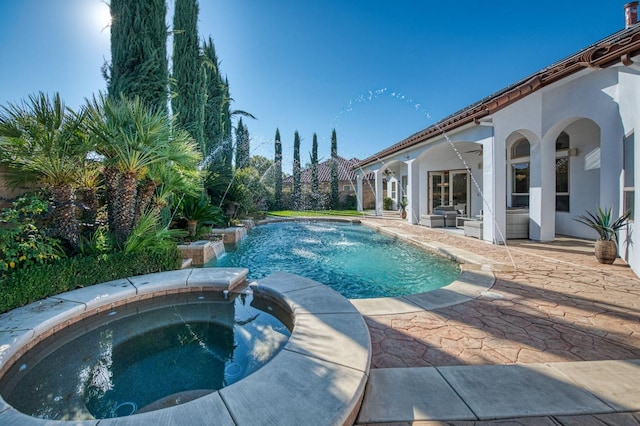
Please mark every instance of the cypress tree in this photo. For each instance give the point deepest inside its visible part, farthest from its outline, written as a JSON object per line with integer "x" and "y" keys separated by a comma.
{"x": 188, "y": 73}
{"x": 315, "y": 185}
{"x": 214, "y": 91}
{"x": 295, "y": 193}
{"x": 139, "y": 65}
{"x": 335, "y": 195}
{"x": 242, "y": 145}
{"x": 225, "y": 120}
{"x": 278, "y": 164}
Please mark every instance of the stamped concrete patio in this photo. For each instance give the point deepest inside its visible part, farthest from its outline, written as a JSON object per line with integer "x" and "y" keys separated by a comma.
{"x": 556, "y": 340}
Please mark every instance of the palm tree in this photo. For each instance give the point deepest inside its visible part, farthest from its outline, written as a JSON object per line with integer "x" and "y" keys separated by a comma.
{"x": 89, "y": 183}
{"x": 135, "y": 142}
{"x": 43, "y": 142}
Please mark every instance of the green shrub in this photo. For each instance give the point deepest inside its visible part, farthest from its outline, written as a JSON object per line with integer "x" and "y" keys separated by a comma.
{"x": 33, "y": 283}
{"x": 22, "y": 242}
{"x": 349, "y": 202}
{"x": 387, "y": 203}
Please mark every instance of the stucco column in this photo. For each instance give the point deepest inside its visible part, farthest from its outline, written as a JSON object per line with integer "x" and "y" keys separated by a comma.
{"x": 359, "y": 193}
{"x": 413, "y": 192}
{"x": 611, "y": 162}
{"x": 378, "y": 188}
{"x": 494, "y": 189}
{"x": 542, "y": 191}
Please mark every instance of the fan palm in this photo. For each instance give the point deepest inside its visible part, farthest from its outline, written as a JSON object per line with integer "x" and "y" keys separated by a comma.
{"x": 134, "y": 142}
{"x": 42, "y": 142}
{"x": 180, "y": 173}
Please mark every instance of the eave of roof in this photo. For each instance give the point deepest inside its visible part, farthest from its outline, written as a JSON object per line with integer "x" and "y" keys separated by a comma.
{"x": 618, "y": 47}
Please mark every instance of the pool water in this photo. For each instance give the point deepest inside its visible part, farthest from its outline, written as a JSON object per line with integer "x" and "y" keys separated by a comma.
{"x": 172, "y": 351}
{"x": 352, "y": 259}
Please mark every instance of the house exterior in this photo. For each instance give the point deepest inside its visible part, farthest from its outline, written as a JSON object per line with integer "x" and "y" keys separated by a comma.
{"x": 555, "y": 144}
{"x": 346, "y": 181}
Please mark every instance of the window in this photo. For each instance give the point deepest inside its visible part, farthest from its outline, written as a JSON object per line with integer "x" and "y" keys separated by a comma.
{"x": 393, "y": 190}
{"x": 520, "y": 149}
{"x": 562, "y": 172}
{"x": 562, "y": 184}
{"x": 562, "y": 143}
{"x": 629, "y": 190}
{"x": 520, "y": 173}
{"x": 405, "y": 181}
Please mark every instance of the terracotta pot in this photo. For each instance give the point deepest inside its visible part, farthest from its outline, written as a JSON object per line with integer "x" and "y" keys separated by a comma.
{"x": 192, "y": 226}
{"x": 404, "y": 214}
{"x": 606, "y": 251}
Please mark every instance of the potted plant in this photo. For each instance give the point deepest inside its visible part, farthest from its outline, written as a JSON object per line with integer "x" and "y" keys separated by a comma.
{"x": 606, "y": 249}
{"x": 198, "y": 209}
{"x": 403, "y": 207}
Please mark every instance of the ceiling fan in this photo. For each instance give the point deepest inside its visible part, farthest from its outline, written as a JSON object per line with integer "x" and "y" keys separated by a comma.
{"x": 477, "y": 151}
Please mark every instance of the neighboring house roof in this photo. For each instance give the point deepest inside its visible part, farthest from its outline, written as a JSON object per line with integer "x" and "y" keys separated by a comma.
{"x": 345, "y": 171}
{"x": 619, "y": 47}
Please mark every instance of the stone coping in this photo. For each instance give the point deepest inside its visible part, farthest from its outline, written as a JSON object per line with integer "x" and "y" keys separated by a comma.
{"x": 472, "y": 282}
{"x": 476, "y": 279}
{"x": 318, "y": 378}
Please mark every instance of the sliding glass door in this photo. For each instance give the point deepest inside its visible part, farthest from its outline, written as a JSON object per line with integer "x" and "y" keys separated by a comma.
{"x": 449, "y": 188}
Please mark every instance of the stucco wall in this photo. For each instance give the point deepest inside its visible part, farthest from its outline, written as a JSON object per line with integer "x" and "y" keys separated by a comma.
{"x": 629, "y": 100}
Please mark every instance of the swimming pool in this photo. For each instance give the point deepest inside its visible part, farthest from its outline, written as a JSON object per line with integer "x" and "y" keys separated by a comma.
{"x": 350, "y": 258}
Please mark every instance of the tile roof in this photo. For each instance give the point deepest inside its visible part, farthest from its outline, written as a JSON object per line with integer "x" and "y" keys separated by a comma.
{"x": 346, "y": 171}
{"x": 617, "y": 48}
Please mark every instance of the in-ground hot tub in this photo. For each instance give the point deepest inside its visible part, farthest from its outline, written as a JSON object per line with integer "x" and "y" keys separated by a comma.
{"x": 317, "y": 378}
{"x": 146, "y": 355}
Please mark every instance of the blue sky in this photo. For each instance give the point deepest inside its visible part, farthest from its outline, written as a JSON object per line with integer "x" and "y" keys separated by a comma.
{"x": 376, "y": 70}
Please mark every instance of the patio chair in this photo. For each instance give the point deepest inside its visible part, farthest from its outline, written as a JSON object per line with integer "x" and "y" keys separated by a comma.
{"x": 449, "y": 213}
{"x": 461, "y": 208}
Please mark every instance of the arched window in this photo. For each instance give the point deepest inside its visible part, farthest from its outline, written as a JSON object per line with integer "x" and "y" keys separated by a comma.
{"x": 520, "y": 172}
{"x": 562, "y": 172}
{"x": 520, "y": 149}
{"x": 562, "y": 143}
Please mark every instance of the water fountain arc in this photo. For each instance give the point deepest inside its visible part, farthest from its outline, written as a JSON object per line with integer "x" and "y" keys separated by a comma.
{"x": 439, "y": 137}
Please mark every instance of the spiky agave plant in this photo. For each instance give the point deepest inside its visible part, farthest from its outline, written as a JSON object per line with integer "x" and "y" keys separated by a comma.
{"x": 603, "y": 223}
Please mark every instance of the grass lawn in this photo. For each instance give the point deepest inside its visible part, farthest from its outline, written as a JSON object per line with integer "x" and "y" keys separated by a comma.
{"x": 311, "y": 213}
